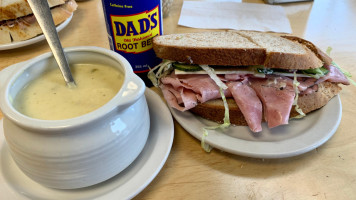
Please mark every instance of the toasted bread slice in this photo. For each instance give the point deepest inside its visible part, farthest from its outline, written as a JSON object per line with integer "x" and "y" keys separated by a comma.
{"x": 214, "y": 109}
{"x": 211, "y": 48}
{"x": 320, "y": 54}
{"x": 27, "y": 27}
{"x": 284, "y": 53}
{"x": 12, "y": 9}
{"x": 236, "y": 48}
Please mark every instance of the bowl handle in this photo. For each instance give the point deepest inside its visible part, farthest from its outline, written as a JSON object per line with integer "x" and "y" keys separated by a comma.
{"x": 133, "y": 91}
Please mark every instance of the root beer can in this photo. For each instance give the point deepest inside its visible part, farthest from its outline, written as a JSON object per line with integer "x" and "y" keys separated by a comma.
{"x": 131, "y": 25}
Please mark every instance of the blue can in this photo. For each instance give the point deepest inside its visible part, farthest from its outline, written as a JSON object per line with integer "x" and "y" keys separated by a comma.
{"x": 131, "y": 25}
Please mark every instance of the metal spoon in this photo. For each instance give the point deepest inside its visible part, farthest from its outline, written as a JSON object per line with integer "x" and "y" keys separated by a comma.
{"x": 43, "y": 15}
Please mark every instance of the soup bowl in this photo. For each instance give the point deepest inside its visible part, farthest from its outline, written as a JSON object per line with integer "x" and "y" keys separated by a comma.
{"x": 80, "y": 151}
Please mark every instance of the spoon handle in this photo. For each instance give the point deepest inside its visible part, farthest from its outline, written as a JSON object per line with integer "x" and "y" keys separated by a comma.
{"x": 43, "y": 15}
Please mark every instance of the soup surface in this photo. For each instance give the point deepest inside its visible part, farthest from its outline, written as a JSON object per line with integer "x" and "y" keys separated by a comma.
{"x": 49, "y": 98}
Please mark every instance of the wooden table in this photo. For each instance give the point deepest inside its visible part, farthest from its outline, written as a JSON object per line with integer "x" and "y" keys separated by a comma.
{"x": 329, "y": 172}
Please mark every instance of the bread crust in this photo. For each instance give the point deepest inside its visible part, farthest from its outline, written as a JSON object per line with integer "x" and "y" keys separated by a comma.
{"x": 209, "y": 56}
{"x": 211, "y": 48}
{"x": 278, "y": 60}
{"x": 214, "y": 109}
{"x": 319, "y": 53}
{"x": 261, "y": 54}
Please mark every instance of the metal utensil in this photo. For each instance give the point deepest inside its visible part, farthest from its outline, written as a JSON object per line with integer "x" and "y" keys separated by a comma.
{"x": 43, "y": 15}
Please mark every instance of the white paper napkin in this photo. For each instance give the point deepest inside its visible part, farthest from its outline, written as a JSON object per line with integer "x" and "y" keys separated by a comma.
{"x": 234, "y": 15}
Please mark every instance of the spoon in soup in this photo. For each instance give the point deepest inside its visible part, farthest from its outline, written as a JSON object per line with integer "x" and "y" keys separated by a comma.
{"x": 44, "y": 17}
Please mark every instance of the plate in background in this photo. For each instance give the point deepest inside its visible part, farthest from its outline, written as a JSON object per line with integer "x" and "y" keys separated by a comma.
{"x": 36, "y": 39}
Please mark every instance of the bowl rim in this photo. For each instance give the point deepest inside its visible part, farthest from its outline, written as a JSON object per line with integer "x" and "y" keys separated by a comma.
{"x": 55, "y": 125}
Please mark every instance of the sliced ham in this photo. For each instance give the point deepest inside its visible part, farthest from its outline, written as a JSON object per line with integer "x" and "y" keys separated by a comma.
{"x": 176, "y": 98}
{"x": 334, "y": 75}
{"x": 307, "y": 85}
{"x": 205, "y": 88}
{"x": 184, "y": 92}
{"x": 171, "y": 96}
{"x": 277, "y": 98}
{"x": 304, "y": 82}
{"x": 172, "y": 80}
{"x": 233, "y": 77}
{"x": 189, "y": 98}
{"x": 249, "y": 104}
{"x": 273, "y": 94}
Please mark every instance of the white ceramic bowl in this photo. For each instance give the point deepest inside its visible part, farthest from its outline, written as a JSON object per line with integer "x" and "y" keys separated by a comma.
{"x": 81, "y": 151}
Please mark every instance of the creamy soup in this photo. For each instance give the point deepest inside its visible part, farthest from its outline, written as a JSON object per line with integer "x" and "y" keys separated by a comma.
{"x": 49, "y": 98}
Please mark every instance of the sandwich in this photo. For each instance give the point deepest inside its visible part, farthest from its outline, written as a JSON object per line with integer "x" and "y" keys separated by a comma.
{"x": 244, "y": 77}
{"x": 17, "y": 22}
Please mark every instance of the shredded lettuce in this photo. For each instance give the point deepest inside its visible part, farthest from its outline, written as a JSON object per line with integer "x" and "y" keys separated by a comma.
{"x": 222, "y": 87}
{"x": 316, "y": 73}
{"x": 256, "y": 70}
{"x": 163, "y": 69}
{"x": 226, "y": 124}
{"x": 213, "y": 76}
{"x": 204, "y": 145}
{"x": 328, "y": 51}
{"x": 295, "y": 103}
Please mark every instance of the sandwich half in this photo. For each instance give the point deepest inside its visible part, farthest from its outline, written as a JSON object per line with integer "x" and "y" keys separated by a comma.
{"x": 17, "y": 22}
{"x": 245, "y": 77}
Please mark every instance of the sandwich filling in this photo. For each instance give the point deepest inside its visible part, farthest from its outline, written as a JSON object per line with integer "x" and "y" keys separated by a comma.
{"x": 260, "y": 93}
{"x": 14, "y": 29}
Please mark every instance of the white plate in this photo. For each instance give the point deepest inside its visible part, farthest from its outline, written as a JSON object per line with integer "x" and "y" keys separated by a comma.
{"x": 15, "y": 185}
{"x": 38, "y": 38}
{"x": 298, "y": 137}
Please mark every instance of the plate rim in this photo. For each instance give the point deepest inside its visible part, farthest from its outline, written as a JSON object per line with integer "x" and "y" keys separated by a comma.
{"x": 35, "y": 39}
{"x": 155, "y": 101}
{"x": 216, "y": 137}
